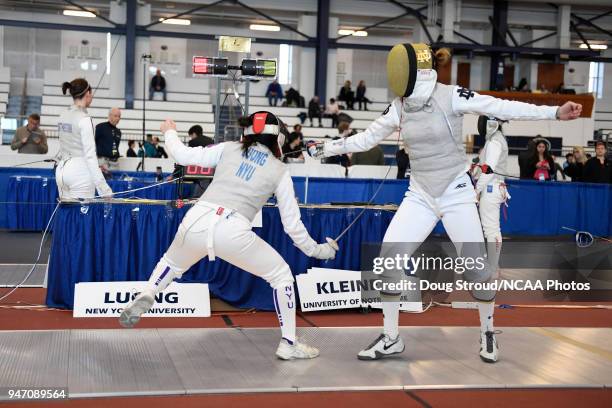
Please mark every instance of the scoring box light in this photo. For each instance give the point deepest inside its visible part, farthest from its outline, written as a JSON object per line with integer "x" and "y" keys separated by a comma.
{"x": 210, "y": 66}
{"x": 250, "y": 68}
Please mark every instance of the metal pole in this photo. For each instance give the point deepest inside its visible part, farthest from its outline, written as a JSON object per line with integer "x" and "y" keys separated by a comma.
{"x": 218, "y": 111}
{"x": 500, "y": 28}
{"x": 322, "y": 49}
{"x": 218, "y": 106}
{"x": 144, "y": 109}
{"x": 130, "y": 53}
{"x": 247, "y": 88}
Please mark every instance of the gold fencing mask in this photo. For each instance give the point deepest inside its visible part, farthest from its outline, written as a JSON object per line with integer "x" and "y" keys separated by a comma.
{"x": 403, "y": 63}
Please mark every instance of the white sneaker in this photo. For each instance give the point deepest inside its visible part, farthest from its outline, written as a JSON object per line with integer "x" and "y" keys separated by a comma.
{"x": 297, "y": 350}
{"x": 132, "y": 312}
{"x": 381, "y": 347}
{"x": 489, "y": 349}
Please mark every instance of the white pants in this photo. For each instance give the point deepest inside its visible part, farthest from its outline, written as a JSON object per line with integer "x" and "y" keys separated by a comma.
{"x": 233, "y": 241}
{"x": 73, "y": 179}
{"x": 419, "y": 213}
{"x": 491, "y": 199}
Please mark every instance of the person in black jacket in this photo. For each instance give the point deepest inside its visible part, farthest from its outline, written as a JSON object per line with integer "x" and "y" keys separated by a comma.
{"x": 197, "y": 138}
{"x": 597, "y": 169}
{"x": 347, "y": 95}
{"x": 361, "y": 98}
{"x": 161, "y": 152}
{"x": 523, "y": 160}
{"x": 158, "y": 84}
{"x": 108, "y": 137}
{"x": 575, "y": 164}
{"x": 293, "y": 98}
{"x": 314, "y": 110}
{"x": 130, "y": 151}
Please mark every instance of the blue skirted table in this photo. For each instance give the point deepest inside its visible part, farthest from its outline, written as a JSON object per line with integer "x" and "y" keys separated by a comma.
{"x": 123, "y": 242}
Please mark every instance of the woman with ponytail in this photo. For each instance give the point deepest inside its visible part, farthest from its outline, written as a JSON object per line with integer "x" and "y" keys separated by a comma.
{"x": 429, "y": 118}
{"x": 247, "y": 174}
{"x": 78, "y": 174}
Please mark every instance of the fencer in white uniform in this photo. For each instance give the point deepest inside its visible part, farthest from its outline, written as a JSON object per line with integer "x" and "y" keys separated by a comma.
{"x": 491, "y": 190}
{"x": 429, "y": 117}
{"x": 77, "y": 174}
{"x": 219, "y": 225}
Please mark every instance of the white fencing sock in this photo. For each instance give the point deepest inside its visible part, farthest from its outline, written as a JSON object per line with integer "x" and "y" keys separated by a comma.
{"x": 161, "y": 278}
{"x": 485, "y": 311}
{"x": 284, "y": 303}
{"x": 390, "y": 318}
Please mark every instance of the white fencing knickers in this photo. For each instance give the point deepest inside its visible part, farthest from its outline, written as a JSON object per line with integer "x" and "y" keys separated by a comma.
{"x": 234, "y": 242}
{"x": 73, "y": 179}
{"x": 419, "y": 213}
{"x": 492, "y": 197}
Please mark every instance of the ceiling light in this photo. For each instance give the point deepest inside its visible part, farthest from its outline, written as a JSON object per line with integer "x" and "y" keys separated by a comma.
{"x": 264, "y": 27}
{"x": 595, "y": 46}
{"x": 79, "y": 13}
{"x": 349, "y": 31}
{"x": 176, "y": 21}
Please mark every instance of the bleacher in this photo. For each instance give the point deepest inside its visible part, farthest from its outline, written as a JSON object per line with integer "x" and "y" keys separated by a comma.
{"x": 603, "y": 119}
{"x": 185, "y": 108}
{"x": 5, "y": 80}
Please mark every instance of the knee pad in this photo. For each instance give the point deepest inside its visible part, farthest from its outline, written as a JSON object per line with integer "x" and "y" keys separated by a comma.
{"x": 483, "y": 295}
{"x": 279, "y": 277}
{"x": 487, "y": 275}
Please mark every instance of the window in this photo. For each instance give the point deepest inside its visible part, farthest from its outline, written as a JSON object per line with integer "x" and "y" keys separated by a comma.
{"x": 596, "y": 76}
{"x": 285, "y": 64}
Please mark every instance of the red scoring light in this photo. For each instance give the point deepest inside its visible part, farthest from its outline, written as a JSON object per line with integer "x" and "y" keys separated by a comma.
{"x": 202, "y": 65}
{"x": 199, "y": 171}
{"x": 210, "y": 66}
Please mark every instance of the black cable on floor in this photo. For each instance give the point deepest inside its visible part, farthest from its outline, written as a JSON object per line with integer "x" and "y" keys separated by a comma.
{"x": 228, "y": 321}
{"x": 418, "y": 399}
{"x": 301, "y": 315}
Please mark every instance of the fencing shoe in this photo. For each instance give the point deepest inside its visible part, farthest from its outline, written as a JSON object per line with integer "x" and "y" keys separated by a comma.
{"x": 381, "y": 347}
{"x": 132, "y": 312}
{"x": 297, "y": 350}
{"x": 489, "y": 349}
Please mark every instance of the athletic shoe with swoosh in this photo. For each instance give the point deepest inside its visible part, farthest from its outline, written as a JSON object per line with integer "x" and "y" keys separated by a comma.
{"x": 489, "y": 349}
{"x": 381, "y": 347}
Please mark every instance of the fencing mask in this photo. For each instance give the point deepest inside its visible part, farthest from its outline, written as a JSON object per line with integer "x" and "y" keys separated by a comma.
{"x": 487, "y": 125}
{"x": 266, "y": 128}
{"x": 410, "y": 70}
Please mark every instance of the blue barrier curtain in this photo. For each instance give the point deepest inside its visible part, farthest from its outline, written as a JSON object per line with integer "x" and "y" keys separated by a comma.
{"x": 31, "y": 199}
{"x": 536, "y": 208}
